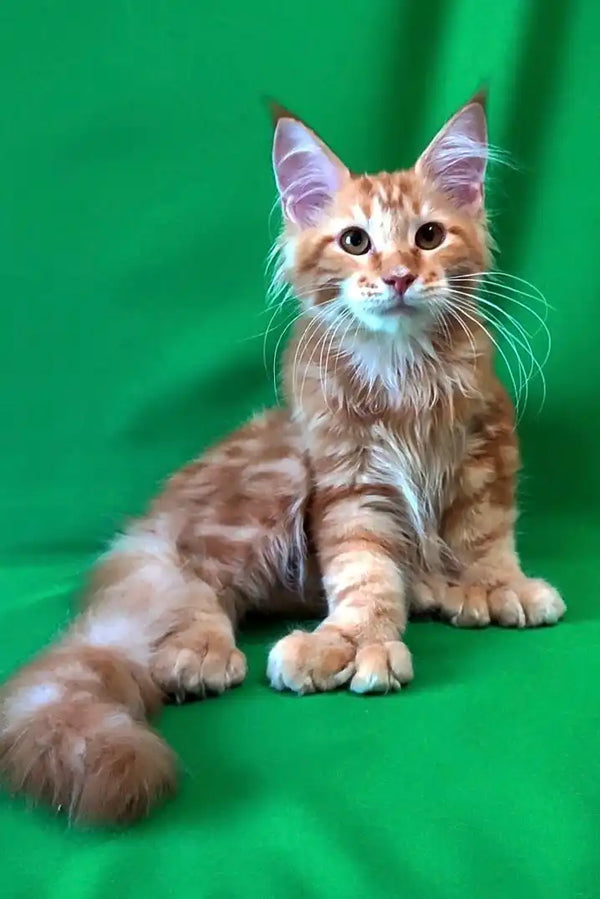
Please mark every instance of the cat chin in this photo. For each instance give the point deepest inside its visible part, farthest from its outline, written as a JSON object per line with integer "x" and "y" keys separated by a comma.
{"x": 402, "y": 325}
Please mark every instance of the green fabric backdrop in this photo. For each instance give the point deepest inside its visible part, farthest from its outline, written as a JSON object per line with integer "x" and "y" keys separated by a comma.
{"x": 135, "y": 188}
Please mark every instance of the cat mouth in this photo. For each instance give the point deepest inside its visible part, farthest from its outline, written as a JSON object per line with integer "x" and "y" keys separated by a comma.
{"x": 398, "y": 306}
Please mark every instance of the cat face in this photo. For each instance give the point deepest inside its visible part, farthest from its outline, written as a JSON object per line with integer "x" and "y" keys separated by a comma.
{"x": 380, "y": 252}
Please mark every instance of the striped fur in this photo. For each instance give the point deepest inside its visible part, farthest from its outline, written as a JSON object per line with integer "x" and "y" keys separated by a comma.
{"x": 385, "y": 485}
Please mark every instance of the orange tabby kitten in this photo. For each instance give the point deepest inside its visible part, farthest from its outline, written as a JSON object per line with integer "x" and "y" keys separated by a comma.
{"x": 386, "y": 485}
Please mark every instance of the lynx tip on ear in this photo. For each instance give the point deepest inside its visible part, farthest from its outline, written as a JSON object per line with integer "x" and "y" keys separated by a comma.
{"x": 277, "y": 111}
{"x": 480, "y": 97}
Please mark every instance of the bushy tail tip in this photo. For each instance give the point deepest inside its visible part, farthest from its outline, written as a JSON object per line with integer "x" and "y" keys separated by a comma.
{"x": 93, "y": 761}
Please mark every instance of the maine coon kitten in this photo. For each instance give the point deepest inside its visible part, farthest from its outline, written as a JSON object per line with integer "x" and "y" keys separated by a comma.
{"x": 385, "y": 485}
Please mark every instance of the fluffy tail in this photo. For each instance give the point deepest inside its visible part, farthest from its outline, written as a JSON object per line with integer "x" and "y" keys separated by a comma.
{"x": 72, "y": 735}
{"x": 72, "y": 724}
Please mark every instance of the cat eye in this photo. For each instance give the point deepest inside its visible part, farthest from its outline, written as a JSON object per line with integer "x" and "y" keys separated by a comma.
{"x": 355, "y": 241}
{"x": 430, "y": 235}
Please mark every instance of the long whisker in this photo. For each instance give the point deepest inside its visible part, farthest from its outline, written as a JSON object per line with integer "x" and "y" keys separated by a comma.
{"x": 291, "y": 295}
{"x": 525, "y": 334}
{"x": 318, "y": 344}
{"x": 276, "y": 351}
{"x": 511, "y": 318}
{"x": 274, "y": 271}
{"x": 260, "y": 334}
{"x": 282, "y": 292}
{"x": 483, "y": 289}
{"x": 324, "y": 368}
{"x": 479, "y": 324}
{"x": 447, "y": 307}
{"x": 522, "y": 340}
{"x": 522, "y": 389}
{"x": 495, "y": 275}
{"x": 513, "y": 343}
{"x": 479, "y": 288}
{"x": 318, "y": 318}
{"x": 312, "y": 326}
{"x": 340, "y": 351}
{"x": 534, "y": 364}
{"x": 266, "y": 335}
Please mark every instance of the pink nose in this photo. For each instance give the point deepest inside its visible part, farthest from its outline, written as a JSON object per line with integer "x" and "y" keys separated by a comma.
{"x": 400, "y": 283}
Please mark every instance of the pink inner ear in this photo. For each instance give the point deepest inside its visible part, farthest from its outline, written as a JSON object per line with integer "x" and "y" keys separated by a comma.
{"x": 456, "y": 159}
{"x": 306, "y": 177}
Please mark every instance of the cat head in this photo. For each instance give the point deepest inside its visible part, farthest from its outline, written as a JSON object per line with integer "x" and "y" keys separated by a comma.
{"x": 381, "y": 251}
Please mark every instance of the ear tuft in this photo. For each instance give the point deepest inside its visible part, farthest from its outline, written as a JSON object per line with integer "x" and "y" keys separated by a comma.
{"x": 456, "y": 158}
{"x": 307, "y": 173}
{"x": 277, "y": 111}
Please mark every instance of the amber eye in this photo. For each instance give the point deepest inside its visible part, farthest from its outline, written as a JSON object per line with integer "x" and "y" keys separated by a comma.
{"x": 430, "y": 235}
{"x": 355, "y": 241}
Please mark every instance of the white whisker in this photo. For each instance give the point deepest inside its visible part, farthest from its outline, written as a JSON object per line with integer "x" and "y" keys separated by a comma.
{"x": 480, "y": 324}
{"x": 483, "y": 287}
{"x": 522, "y": 340}
{"x": 275, "y": 353}
{"x": 324, "y": 368}
{"x": 495, "y": 275}
{"x": 311, "y": 327}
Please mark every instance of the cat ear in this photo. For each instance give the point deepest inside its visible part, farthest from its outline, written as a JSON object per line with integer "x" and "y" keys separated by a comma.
{"x": 456, "y": 158}
{"x": 307, "y": 173}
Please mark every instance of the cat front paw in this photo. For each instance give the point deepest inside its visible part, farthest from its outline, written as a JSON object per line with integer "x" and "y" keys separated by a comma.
{"x": 520, "y": 602}
{"x": 382, "y": 667}
{"x": 311, "y": 662}
{"x": 326, "y": 660}
{"x": 182, "y": 667}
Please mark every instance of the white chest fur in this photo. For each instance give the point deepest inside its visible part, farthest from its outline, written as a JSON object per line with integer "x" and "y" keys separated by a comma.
{"x": 418, "y": 465}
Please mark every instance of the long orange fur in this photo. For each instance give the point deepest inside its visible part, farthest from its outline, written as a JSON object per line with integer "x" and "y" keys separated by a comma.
{"x": 385, "y": 485}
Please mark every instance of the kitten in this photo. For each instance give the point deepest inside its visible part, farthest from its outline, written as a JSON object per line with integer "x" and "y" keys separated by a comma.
{"x": 386, "y": 485}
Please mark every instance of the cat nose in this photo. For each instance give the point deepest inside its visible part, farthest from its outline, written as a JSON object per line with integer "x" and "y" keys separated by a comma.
{"x": 400, "y": 283}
